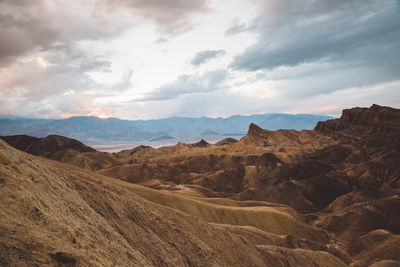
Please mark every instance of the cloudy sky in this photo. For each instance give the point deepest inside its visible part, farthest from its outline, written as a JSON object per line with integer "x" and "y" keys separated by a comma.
{"x": 142, "y": 59}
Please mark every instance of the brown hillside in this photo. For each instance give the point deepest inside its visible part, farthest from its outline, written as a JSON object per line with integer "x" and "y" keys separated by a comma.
{"x": 324, "y": 197}
{"x": 62, "y": 149}
{"x": 60, "y": 215}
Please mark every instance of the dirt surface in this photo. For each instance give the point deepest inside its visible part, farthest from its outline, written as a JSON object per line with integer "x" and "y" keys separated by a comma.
{"x": 327, "y": 197}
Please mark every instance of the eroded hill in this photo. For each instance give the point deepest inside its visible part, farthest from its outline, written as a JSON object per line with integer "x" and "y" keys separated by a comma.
{"x": 56, "y": 214}
{"x": 328, "y": 196}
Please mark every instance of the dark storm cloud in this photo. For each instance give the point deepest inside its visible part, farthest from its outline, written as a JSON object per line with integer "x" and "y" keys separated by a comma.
{"x": 187, "y": 84}
{"x": 296, "y": 32}
{"x": 204, "y": 56}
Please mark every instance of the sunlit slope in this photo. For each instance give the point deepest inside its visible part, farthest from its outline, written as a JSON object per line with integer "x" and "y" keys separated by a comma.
{"x": 56, "y": 215}
{"x": 59, "y": 214}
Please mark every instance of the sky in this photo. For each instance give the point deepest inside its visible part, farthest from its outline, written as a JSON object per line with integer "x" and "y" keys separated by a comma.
{"x": 150, "y": 59}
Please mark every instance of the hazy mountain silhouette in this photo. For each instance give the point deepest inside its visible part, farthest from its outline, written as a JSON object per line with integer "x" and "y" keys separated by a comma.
{"x": 92, "y": 129}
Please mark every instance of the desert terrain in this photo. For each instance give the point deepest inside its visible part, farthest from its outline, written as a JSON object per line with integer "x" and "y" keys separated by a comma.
{"x": 323, "y": 197}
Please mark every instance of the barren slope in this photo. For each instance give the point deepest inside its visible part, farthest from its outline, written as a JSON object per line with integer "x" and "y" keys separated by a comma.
{"x": 56, "y": 214}
{"x": 328, "y": 196}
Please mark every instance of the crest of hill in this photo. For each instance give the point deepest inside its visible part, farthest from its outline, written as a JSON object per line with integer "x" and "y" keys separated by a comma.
{"x": 49, "y": 144}
{"x": 21, "y": 142}
{"x": 201, "y": 143}
{"x": 63, "y": 149}
{"x": 130, "y": 152}
{"x": 264, "y": 138}
{"x": 226, "y": 141}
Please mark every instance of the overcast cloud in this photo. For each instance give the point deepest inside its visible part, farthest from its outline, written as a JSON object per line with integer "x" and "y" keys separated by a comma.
{"x": 153, "y": 59}
{"x": 311, "y": 31}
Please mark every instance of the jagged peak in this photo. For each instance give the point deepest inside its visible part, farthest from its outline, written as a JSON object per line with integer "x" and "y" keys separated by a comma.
{"x": 201, "y": 143}
{"x": 374, "y": 106}
{"x": 254, "y": 129}
{"x": 60, "y": 142}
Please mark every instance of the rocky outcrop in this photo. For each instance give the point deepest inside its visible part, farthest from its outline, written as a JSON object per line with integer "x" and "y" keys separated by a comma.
{"x": 226, "y": 141}
{"x": 373, "y": 120}
{"x": 201, "y": 143}
{"x": 130, "y": 152}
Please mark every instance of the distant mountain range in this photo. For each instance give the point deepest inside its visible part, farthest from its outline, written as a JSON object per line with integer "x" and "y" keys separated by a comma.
{"x": 94, "y": 130}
